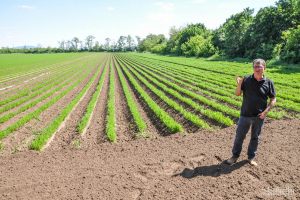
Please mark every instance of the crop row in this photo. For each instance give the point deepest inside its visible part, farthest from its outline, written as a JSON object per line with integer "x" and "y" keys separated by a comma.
{"x": 37, "y": 86}
{"x": 217, "y": 92}
{"x": 50, "y": 91}
{"x": 217, "y": 116}
{"x": 132, "y": 105}
{"x": 171, "y": 125}
{"x": 49, "y": 131}
{"x": 207, "y": 88}
{"x": 46, "y": 87}
{"x": 111, "y": 111}
{"x": 55, "y": 67}
{"x": 170, "y": 102}
{"x": 85, "y": 120}
{"x": 226, "y": 81}
{"x": 35, "y": 114}
{"x": 177, "y": 92}
{"x": 216, "y": 67}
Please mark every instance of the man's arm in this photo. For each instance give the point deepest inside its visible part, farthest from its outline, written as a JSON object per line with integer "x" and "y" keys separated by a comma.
{"x": 238, "y": 90}
{"x": 269, "y": 107}
{"x": 272, "y": 102}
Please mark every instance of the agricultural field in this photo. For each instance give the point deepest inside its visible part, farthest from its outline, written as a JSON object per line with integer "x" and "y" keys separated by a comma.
{"x": 81, "y": 99}
{"x": 137, "y": 121}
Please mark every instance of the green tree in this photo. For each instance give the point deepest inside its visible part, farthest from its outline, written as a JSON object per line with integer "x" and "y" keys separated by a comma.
{"x": 289, "y": 49}
{"x": 159, "y": 48}
{"x": 198, "y": 46}
{"x": 172, "y": 43}
{"x": 150, "y": 41}
{"x": 267, "y": 27}
{"x": 121, "y": 44}
{"x": 89, "y": 42}
{"x": 75, "y": 42}
{"x": 107, "y": 46}
{"x": 230, "y": 37}
{"x": 186, "y": 33}
{"x": 130, "y": 43}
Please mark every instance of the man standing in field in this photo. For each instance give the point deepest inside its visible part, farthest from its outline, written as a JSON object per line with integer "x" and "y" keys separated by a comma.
{"x": 256, "y": 89}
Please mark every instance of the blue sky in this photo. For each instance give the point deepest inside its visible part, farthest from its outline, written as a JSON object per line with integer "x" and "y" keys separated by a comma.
{"x": 45, "y": 22}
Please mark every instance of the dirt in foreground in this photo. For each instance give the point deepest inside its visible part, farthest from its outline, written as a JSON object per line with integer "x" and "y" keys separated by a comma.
{"x": 173, "y": 167}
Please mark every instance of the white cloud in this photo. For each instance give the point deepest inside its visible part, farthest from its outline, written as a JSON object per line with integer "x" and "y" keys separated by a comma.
{"x": 166, "y": 6}
{"x": 110, "y": 8}
{"x": 26, "y": 7}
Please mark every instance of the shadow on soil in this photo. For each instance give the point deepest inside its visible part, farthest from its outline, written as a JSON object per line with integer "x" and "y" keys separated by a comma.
{"x": 211, "y": 170}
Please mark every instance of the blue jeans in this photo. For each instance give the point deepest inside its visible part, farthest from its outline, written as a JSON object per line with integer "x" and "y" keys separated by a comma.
{"x": 243, "y": 127}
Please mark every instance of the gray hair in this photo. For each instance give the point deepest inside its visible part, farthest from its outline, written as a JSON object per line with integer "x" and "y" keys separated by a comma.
{"x": 259, "y": 61}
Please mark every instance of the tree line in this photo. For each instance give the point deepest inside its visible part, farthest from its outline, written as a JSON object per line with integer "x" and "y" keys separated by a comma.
{"x": 273, "y": 33}
{"x": 124, "y": 43}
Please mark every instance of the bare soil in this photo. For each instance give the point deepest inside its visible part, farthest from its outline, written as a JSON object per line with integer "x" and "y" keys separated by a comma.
{"x": 171, "y": 167}
{"x": 95, "y": 133}
{"x": 124, "y": 126}
{"x": 20, "y": 139}
{"x": 69, "y": 133}
{"x": 151, "y": 131}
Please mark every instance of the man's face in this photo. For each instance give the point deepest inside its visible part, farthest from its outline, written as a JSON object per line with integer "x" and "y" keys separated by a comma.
{"x": 258, "y": 68}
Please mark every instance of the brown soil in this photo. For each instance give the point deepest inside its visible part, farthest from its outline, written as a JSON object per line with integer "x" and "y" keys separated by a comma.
{"x": 188, "y": 126}
{"x": 191, "y": 128}
{"x": 17, "y": 81}
{"x": 64, "y": 137}
{"x": 95, "y": 133}
{"x": 20, "y": 83}
{"x": 174, "y": 167}
{"x": 196, "y": 91}
{"x": 151, "y": 115}
{"x": 30, "y": 85}
{"x": 20, "y": 115}
{"x": 19, "y": 140}
{"x": 124, "y": 122}
{"x": 151, "y": 131}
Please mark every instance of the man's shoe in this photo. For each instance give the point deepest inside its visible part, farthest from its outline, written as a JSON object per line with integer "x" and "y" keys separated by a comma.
{"x": 252, "y": 162}
{"x": 231, "y": 161}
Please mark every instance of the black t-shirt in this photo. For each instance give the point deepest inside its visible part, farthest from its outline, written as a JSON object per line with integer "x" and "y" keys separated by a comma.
{"x": 255, "y": 95}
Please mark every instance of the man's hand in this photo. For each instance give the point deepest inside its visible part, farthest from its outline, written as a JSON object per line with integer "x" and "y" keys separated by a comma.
{"x": 262, "y": 115}
{"x": 270, "y": 105}
{"x": 239, "y": 80}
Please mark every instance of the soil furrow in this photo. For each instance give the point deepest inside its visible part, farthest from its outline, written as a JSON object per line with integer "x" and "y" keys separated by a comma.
{"x": 95, "y": 133}
{"x": 68, "y": 133}
{"x": 163, "y": 168}
{"x": 151, "y": 131}
{"x": 124, "y": 122}
{"x": 188, "y": 126}
{"x": 19, "y": 140}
